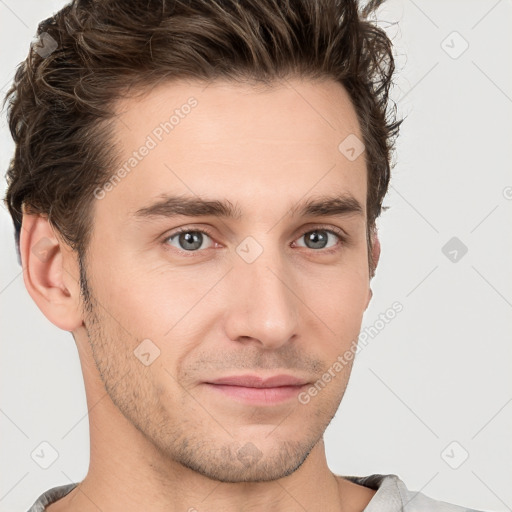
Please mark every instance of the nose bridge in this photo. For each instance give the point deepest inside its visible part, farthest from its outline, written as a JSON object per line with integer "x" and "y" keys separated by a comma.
{"x": 264, "y": 306}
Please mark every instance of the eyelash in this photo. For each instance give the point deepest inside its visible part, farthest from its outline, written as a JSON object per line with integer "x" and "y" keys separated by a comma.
{"x": 335, "y": 231}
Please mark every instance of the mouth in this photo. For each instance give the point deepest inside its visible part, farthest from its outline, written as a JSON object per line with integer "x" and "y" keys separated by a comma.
{"x": 258, "y": 390}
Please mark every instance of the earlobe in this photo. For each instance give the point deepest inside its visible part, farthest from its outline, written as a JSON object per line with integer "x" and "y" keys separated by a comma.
{"x": 46, "y": 273}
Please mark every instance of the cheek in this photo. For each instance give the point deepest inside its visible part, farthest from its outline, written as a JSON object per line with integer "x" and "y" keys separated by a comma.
{"x": 341, "y": 301}
{"x": 128, "y": 296}
{"x": 167, "y": 306}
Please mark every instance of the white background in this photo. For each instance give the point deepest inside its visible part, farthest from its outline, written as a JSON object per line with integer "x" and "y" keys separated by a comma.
{"x": 440, "y": 371}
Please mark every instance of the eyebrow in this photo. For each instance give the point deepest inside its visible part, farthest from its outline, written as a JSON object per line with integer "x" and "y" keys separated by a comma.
{"x": 318, "y": 206}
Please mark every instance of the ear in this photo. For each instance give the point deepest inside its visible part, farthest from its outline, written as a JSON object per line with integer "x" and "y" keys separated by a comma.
{"x": 375, "y": 252}
{"x": 50, "y": 272}
{"x": 374, "y": 256}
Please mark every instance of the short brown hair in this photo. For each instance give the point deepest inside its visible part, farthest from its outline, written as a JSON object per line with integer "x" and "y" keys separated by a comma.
{"x": 59, "y": 104}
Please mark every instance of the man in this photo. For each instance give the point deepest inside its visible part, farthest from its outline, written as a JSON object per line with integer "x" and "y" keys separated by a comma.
{"x": 195, "y": 188}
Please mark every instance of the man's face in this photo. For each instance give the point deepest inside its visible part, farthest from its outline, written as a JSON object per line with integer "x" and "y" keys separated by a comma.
{"x": 267, "y": 292}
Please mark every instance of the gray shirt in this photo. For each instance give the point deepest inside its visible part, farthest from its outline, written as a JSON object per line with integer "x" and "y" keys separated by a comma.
{"x": 392, "y": 496}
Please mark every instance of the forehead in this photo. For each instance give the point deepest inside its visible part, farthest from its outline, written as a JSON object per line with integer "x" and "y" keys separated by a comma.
{"x": 234, "y": 141}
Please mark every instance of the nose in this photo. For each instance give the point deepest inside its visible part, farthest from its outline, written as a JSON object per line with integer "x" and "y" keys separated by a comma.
{"x": 263, "y": 301}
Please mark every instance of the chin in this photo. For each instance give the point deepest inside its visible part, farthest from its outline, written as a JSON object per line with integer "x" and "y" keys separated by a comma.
{"x": 234, "y": 464}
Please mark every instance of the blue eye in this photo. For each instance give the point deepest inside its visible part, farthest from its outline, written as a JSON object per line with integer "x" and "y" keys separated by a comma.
{"x": 189, "y": 240}
{"x": 192, "y": 240}
{"x": 318, "y": 238}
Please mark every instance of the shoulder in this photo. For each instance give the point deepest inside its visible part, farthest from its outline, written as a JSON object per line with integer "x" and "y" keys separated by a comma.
{"x": 393, "y": 496}
{"x": 51, "y": 496}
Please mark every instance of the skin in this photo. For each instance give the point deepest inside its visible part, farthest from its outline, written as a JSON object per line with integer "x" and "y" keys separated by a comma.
{"x": 293, "y": 310}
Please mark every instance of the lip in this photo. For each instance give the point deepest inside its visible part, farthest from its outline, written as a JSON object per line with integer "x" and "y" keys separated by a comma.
{"x": 257, "y": 381}
{"x": 257, "y": 390}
